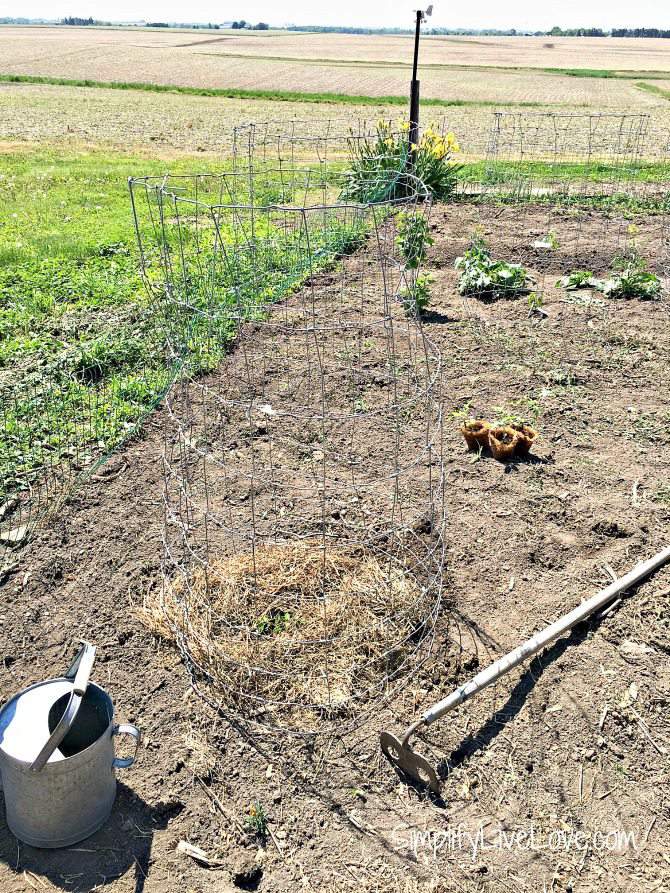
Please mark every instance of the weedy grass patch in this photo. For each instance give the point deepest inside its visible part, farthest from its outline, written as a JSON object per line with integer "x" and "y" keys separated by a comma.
{"x": 78, "y": 359}
{"x": 82, "y": 345}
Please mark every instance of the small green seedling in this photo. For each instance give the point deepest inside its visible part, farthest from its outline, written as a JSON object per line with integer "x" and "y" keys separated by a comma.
{"x": 536, "y": 304}
{"x": 257, "y": 821}
{"x": 272, "y": 623}
{"x": 463, "y": 413}
{"x": 549, "y": 241}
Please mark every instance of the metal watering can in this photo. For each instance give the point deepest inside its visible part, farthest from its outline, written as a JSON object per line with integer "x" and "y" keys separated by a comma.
{"x": 57, "y": 760}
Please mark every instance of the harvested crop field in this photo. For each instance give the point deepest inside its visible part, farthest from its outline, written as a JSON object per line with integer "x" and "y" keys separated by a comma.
{"x": 465, "y": 69}
{"x": 33, "y": 44}
{"x": 168, "y": 123}
{"x": 558, "y": 774}
{"x": 157, "y": 122}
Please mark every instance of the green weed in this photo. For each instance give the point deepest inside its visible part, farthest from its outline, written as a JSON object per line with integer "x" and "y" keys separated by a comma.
{"x": 257, "y": 821}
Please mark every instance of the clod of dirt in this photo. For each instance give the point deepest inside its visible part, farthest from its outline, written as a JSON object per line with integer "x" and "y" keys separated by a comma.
{"x": 609, "y": 527}
{"x": 634, "y": 650}
{"x": 168, "y": 809}
{"x": 246, "y": 872}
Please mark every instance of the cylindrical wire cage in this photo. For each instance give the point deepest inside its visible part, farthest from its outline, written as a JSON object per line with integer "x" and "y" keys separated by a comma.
{"x": 303, "y": 497}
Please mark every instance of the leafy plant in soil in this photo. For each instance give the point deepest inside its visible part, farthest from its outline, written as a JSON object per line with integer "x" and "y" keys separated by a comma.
{"x": 413, "y": 238}
{"x": 416, "y": 296}
{"x": 257, "y": 821}
{"x": 630, "y": 279}
{"x": 487, "y": 278}
{"x": 549, "y": 241}
{"x": 577, "y": 279}
{"x": 535, "y": 304}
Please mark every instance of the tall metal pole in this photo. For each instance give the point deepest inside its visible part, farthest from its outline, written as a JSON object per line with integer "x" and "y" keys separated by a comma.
{"x": 414, "y": 93}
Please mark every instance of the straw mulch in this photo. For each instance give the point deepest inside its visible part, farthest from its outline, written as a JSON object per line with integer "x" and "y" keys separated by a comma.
{"x": 294, "y": 632}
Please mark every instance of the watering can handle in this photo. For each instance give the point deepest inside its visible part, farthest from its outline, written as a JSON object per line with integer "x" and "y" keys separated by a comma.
{"x": 134, "y": 732}
{"x": 81, "y": 667}
{"x": 79, "y": 673}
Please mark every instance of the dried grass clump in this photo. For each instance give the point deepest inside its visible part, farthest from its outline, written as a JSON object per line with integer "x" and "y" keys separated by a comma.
{"x": 294, "y": 627}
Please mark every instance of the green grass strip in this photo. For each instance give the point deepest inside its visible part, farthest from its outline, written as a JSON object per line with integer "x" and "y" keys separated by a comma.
{"x": 274, "y": 95}
{"x": 653, "y": 89}
{"x": 546, "y": 172}
{"x": 608, "y": 73}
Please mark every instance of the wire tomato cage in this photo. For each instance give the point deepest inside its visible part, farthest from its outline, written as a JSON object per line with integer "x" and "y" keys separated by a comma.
{"x": 303, "y": 547}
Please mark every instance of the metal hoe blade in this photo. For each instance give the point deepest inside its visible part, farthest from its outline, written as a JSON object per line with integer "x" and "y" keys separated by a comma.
{"x": 411, "y": 764}
{"x": 399, "y": 752}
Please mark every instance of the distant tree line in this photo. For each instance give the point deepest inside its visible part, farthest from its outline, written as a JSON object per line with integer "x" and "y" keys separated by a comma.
{"x": 640, "y": 32}
{"x": 556, "y": 31}
{"x": 615, "y": 32}
{"x": 577, "y": 32}
{"x": 75, "y": 20}
{"x": 261, "y": 26}
{"x": 242, "y": 24}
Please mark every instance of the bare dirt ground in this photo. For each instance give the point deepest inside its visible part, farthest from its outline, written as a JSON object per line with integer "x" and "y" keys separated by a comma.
{"x": 558, "y": 776}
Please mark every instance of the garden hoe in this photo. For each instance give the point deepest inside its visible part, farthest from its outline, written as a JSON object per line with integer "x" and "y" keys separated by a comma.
{"x": 399, "y": 751}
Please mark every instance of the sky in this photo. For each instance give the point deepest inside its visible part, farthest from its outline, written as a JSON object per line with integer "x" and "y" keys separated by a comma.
{"x": 521, "y": 14}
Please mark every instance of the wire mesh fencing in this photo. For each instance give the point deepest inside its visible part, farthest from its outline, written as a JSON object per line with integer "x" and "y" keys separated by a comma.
{"x": 303, "y": 500}
{"x": 583, "y": 189}
{"x": 296, "y": 198}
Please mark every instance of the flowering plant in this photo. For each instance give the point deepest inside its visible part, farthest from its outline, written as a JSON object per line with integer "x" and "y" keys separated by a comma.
{"x": 381, "y": 165}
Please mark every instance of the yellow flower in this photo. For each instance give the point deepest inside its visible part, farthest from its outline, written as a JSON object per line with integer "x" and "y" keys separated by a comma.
{"x": 452, "y": 143}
